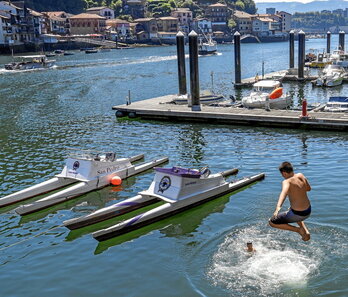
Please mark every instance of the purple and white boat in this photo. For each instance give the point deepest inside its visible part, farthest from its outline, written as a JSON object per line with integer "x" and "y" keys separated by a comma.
{"x": 180, "y": 188}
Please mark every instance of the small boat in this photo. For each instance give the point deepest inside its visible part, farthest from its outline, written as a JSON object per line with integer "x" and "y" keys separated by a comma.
{"x": 85, "y": 171}
{"x": 181, "y": 189}
{"x": 105, "y": 49}
{"x": 267, "y": 94}
{"x": 68, "y": 53}
{"x": 206, "y": 45}
{"x": 59, "y": 52}
{"x": 331, "y": 76}
{"x": 320, "y": 62}
{"x": 50, "y": 55}
{"x": 91, "y": 51}
{"x": 205, "y": 98}
{"x": 337, "y": 104}
{"x": 30, "y": 62}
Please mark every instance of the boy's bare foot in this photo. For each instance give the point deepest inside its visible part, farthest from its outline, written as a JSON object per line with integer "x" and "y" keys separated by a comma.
{"x": 304, "y": 234}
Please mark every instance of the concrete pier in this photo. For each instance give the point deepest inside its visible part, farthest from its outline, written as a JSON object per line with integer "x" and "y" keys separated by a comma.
{"x": 161, "y": 109}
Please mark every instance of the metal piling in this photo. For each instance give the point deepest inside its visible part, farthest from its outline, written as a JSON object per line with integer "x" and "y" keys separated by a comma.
{"x": 301, "y": 54}
{"x": 292, "y": 49}
{"x": 180, "y": 48}
{"x": 237, "y": 60}
{"x": 194, "y": 71}
{"x": 328, "y": 42}
{"x": 341, "y": 37}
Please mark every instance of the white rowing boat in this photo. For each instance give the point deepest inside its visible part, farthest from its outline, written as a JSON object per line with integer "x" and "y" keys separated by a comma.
{"x": 84, "y": 171}
{"x": 181, "y": 188}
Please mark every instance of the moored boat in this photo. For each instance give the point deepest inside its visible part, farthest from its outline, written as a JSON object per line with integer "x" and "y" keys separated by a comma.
{"x": 205, "y": 98}
{"x": 91, "y": 51}
{"x": 84, "y": 171}
{"x": 206, "y": 45}
{"x": 331, "y": 76}
{"x": 181, "y": 189}
{"x": 267, "y": 94}
{"x": 337, "y": 104}
{"x": 30, "y": 62}
{"x": 321, "y": 61}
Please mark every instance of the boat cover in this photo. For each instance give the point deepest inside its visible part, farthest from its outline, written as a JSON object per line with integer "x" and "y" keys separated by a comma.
{"x": 179, "y": 171}
{"x": 338, "y": 99}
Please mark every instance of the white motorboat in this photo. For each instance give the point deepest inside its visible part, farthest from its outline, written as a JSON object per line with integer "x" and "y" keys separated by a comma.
{"x": 337, "y": 104}
{"x": 30, "y": 62}
{"x": 181, "y": 189}
{"x": 206, "y": 45}
{"x": 331, "y": 76}
{"x": 84, "y": 171}
{"x": 267, "y": 94}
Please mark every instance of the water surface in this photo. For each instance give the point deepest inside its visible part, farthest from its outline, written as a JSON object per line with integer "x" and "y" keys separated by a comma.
{"x": 199, "y": 252}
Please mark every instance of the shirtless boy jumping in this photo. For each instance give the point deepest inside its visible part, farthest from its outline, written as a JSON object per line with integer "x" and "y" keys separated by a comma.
{"x": 295, "y": 186}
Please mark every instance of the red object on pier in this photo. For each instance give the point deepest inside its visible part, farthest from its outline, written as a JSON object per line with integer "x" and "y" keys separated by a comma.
{"x": 304, "y": 108}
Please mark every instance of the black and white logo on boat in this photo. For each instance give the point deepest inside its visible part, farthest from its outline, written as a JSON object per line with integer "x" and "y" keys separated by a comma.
{"x": 164, "y": 184}
{"x": 76, "y": 165}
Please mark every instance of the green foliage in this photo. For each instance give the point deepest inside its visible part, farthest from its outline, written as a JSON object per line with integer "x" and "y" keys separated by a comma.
{"x": 231, "y": 23}
{"x": 156, "y": 8}
{"x": 240, "y": 5}
{"x": 318, "y": 20}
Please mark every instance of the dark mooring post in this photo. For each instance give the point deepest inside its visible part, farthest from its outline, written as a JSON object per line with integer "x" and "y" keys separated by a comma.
{"x": 301, "y": 54}
{"x": 194, "y": 72}
{"x": 292, "y": 49}
{"x": 180, "y": 48}
{"x": 341, "y": 36}
{"x": 328, "y": 42}
{"x": 237, "y": 64}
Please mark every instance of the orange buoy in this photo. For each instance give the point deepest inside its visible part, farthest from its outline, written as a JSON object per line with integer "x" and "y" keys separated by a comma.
{"x": 276, "y": 93}
{"x": 116, "y": 181}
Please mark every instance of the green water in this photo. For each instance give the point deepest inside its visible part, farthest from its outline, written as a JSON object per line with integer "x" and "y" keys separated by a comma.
{"x": 199, "y": 252}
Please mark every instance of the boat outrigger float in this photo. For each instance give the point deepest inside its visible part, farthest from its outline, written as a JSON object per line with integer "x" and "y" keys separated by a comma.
{"x": 181, "y": 188}
{"x": 84, "y": 171}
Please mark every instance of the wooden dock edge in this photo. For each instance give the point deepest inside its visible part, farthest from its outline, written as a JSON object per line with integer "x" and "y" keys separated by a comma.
{"x": 221, "y": 116}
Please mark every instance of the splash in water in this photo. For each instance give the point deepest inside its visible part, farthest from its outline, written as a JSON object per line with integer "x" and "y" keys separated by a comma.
{"x": 277, "y": 262}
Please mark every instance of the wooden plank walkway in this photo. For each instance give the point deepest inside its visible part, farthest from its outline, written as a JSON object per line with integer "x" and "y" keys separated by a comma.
{"x": 161, "y": 108}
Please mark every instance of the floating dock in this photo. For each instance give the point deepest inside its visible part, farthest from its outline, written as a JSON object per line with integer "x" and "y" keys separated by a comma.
{"x": 282, "y": 75}
{"x": 160, "y": 108}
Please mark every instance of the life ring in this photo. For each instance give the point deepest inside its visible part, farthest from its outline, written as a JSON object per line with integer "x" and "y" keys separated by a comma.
{"x": 276, "y": 93}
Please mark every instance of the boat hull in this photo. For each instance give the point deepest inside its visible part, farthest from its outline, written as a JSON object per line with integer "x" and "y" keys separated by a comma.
{"x": 279, "y": 103}
{"x": 85, "y": 187}
{"x": 170, "y": 209}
